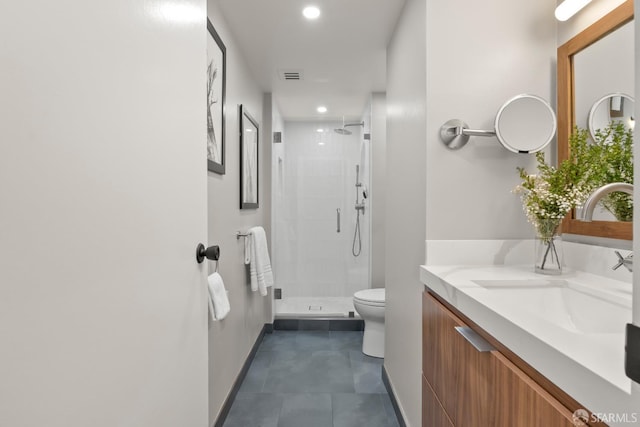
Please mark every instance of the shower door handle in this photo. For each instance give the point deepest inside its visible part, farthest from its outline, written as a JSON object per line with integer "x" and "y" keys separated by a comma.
{"x": 338, "y": 220}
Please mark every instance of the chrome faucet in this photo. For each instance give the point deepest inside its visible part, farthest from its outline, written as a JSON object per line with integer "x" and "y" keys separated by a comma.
{"x": 590, "y": 205}
{"x": 626, "y": 261}
{"x": 599, "y": 193}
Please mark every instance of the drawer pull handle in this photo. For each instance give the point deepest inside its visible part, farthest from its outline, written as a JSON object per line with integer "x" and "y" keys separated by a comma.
{"x": 474, "y": 339}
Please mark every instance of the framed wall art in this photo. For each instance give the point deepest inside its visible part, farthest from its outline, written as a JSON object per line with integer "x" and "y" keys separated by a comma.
{"x": 216, "y": 87}
{"x": 249, "y": 137}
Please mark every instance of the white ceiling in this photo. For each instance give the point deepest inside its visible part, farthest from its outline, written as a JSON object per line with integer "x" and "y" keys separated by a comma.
{"x": 341, "y": 54}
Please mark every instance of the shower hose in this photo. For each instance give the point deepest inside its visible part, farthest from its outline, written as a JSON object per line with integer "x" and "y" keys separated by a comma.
{"x": 357, "y": 248}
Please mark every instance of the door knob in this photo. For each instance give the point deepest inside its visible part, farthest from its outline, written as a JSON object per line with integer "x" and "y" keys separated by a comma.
{"x": 212, "y": 253}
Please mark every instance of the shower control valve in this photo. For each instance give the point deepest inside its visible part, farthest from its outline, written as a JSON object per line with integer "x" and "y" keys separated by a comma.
{"x": 360, "y": 207}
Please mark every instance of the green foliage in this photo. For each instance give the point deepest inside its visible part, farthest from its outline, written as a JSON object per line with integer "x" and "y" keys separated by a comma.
{"x": 554, "y": 191}
{"x": 613, "y": 146}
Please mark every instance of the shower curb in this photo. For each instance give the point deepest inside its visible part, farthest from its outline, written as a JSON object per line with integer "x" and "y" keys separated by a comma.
{"x": 318, "y": 324}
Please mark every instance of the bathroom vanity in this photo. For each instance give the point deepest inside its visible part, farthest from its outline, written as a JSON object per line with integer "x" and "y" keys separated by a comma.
{"x": 504, "y": 346}
{"x": 467, "y": 386}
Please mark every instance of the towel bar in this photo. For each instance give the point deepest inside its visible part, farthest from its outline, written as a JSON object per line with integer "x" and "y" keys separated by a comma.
{"x": 239, "y": 235}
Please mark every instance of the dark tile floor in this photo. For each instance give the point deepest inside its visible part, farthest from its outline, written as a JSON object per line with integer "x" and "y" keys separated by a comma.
{"x": 312, "y": 379}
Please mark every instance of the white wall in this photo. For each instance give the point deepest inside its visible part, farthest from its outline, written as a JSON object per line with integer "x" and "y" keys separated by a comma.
{"x": 506, "y": 48}
{"x": 377, "y": 192}
{"x": 231, "y": 339}
{"x": 405, "y": 207}
{"x": 498, "y": 49}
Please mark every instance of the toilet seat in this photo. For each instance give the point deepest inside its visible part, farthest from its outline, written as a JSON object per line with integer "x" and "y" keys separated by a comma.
{"x": 371, "y": 297}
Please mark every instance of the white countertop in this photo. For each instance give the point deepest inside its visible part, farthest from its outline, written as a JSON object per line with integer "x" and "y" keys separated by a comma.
{"x": 565, "y": 326}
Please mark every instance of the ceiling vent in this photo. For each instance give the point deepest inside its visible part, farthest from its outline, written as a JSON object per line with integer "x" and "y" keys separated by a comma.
{"x": 290, "y": 75}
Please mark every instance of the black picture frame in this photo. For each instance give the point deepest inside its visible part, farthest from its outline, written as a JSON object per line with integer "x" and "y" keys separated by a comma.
{"x": 249, "y": 160}
{"x": 216, "y": 93}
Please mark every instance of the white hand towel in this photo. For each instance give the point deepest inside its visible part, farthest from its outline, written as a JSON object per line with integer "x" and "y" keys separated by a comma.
{"x": 218, "y": 297}
{"x": 260, "y": 268}
{"x": 212, "y": 311}
{"x": 247, "y": 249}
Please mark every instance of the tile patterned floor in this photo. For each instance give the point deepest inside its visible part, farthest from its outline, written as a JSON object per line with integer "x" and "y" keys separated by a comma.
{"x": 312, "y": 379}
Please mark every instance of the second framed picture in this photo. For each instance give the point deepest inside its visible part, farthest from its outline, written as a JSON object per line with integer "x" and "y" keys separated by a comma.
{"x": 249, "y": 138}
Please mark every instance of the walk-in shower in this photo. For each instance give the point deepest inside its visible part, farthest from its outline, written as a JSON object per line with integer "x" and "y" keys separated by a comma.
{"x": 320, "y": 236}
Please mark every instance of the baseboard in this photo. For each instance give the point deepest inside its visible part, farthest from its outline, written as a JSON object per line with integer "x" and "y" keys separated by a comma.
{"x": 318, "y": 324}
{"x": 392, "y": 396}
{"x": 226, "y": 407}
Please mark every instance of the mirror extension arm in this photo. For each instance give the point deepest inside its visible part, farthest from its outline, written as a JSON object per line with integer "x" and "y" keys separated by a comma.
{"x": 455, "y": 133}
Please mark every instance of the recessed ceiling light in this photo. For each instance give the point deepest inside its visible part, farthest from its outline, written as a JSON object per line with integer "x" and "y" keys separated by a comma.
{"x": 321, "y": 109}
{"x": 320, "y": 143}
{"x": 320, "y": 130}
{"x": 311, "y": 12}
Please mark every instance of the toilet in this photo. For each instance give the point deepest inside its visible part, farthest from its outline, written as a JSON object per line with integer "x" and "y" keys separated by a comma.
{"x": 369, "y": 303}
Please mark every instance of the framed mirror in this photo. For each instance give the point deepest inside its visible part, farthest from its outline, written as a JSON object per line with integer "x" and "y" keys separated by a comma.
{"x": 575, "y": 103}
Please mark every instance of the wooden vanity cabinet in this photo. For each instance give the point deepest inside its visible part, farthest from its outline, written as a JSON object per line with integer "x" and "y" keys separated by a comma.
{"x": 477, "y": 388}
{"x": 433, "y": 414}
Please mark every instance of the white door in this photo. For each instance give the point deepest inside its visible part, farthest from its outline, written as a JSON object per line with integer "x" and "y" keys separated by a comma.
{"x": 103, "y": 316}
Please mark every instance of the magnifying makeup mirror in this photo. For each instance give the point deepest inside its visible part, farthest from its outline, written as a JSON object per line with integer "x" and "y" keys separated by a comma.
{"x": 524, "y": 124}
{"x": 615, "y": 107}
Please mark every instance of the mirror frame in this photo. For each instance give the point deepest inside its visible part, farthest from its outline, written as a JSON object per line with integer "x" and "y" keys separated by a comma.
{"x": 566, "y": 114}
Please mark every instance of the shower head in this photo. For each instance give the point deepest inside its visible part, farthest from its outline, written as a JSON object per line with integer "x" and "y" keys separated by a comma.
{"x": 344, "y": 131}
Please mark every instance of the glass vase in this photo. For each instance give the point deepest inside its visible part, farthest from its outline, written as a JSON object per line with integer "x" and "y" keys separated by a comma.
{"x": 548, "y": 251}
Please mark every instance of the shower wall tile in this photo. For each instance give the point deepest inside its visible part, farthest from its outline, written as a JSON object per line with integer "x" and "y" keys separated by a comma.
{"x": 323, "y": 185}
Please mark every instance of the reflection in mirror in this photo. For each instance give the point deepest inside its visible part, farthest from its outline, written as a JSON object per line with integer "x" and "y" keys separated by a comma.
{"x": 525, "y": 124}
{"x": 604, "y": 73}
{"x": 616, "y": 107}
{"x": 603, "y": 68}
{"x": 597, "y": 62}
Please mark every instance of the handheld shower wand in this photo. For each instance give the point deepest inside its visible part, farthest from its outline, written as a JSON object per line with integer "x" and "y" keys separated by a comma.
{"x": 356, "y": 248}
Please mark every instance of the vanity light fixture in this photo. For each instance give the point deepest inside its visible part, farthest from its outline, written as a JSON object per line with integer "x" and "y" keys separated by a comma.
{"x": 568, "y": 8}
{"x": 311, "y": 12}
{"x": 321, "y": 109}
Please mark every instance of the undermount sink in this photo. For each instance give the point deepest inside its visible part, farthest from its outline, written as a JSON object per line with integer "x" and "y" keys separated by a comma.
{"x": 570, "y": 305}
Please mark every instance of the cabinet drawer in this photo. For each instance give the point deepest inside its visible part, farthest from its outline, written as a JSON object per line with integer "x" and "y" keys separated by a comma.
{"x": 439, "y": 355}
{"x": 521, "y": 401}
{"x": 433, "y": 414}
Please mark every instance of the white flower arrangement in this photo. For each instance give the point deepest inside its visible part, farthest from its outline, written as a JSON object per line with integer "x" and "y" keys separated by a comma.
{"x": 548, "y": 196}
